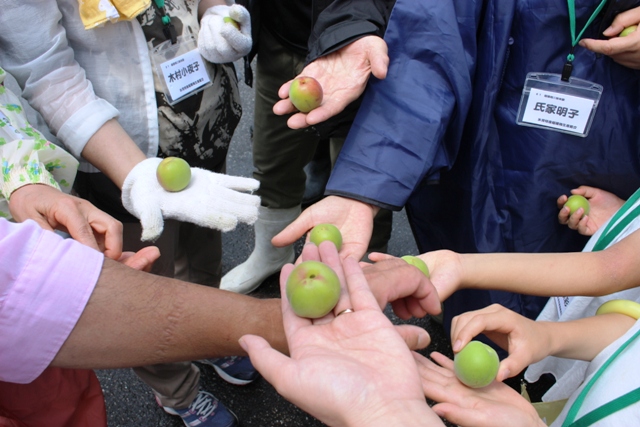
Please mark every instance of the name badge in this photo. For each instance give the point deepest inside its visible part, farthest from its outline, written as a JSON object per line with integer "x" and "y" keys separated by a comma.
{"x": 549, "y": 103}
{"x": 181, "y": 68}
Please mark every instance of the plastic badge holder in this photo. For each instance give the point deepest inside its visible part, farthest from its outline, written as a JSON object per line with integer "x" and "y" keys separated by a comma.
{"x": 182, "y": 70}
{"x": 550, "y": 103}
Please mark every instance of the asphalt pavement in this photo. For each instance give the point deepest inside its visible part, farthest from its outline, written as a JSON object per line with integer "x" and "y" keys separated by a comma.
{"x": 130, "y": 402}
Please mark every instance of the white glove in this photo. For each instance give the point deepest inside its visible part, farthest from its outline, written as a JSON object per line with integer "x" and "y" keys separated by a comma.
{"x": 210, "y": 200}
{"x": 221, "y": 42}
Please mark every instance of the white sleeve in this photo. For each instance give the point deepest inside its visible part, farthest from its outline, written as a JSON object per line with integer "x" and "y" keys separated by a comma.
{"x": 43, "y": 64}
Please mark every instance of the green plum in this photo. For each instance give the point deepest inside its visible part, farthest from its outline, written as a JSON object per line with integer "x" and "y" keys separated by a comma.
{"x": 418, "y": 262}
{"x": 313, "y": 289}
{"x": 305, "y": 93}
{"x": 231, "y": 21}
{"x": 476, "y": 365}
{"x": 322, "y": 232}
{"x": 628, "y": 30}
{"x": 174, "y": 174}
{"x": 575, "y": 202}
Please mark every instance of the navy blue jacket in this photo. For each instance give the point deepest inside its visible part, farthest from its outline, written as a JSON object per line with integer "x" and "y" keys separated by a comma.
{"x": 439, "y": 134}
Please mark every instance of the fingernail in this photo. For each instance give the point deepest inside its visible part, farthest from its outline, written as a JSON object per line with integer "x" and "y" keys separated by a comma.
{"x": 506, "y": 374}
{"x": 457, "y": 346}
{"x": 242, "y": 343}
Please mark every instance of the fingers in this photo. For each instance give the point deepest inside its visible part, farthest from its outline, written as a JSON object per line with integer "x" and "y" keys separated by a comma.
{"x": 142, "y": 260}
{"x": 77, "y": 225}
{"x": 359, "y": 292}
{"x": 238, "y": 183}
{"x": 416, "y": 337}
{"x": 294, "y": 231}
{"x": 152, "y": 223}
{"x": 329, "y": 255}
{"x": 623, "y": 20}
{"x": 290, "y": 320}
{"x": 271, "y": 364}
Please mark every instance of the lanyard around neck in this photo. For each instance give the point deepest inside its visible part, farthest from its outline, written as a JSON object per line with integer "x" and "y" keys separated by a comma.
{"x": 608, "y": 408}
{"x": 568, "y": 66}
{"x": 169, "y": 30}
{"x": 616, "y": 225}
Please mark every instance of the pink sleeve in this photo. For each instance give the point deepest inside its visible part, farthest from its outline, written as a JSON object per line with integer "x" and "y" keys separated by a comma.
{"x": 45, "y": 283}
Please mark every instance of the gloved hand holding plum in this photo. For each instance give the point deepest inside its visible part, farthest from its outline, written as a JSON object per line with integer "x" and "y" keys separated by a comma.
{"x": 209, "y": 199}
{"x": 225, "y": 34}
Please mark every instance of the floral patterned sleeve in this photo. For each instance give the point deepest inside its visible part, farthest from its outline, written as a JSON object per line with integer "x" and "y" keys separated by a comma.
{"x": 26, "y": 156}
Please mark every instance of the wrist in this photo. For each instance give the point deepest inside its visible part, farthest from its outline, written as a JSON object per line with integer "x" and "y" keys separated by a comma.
{"x": 19, "y": 176}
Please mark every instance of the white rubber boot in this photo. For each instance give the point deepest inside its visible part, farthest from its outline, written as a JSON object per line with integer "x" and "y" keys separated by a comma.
{"x": 265, "y": 259}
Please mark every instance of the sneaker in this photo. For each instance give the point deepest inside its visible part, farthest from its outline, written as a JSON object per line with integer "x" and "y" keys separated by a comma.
{"x": 205, "y": 411}
{"x": 236, "y": 370}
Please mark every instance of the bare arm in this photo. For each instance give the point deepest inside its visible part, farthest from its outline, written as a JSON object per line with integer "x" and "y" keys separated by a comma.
{"x": 134, "y": 318}
{"x": 553, "y": 274}
{"x": 113, "y": 151}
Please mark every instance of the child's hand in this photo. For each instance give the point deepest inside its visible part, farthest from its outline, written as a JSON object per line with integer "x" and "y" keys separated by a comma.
{"x": 524, "y": 339}
{"x": 494, "y": 405}
{"x": 445, "y": 270}
{"x": 603, "y": 206}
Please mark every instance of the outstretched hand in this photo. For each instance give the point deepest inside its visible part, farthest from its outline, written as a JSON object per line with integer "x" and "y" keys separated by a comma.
{"x": 353, "y": 218}
{"x": 335, "y": 359}
{"x": 211, "y": 200}
{"x": 445, "y": 270}
{"x": 494, "y": 405}
{"x": 602, "y": 207}
{"x": 343, "y": 76}
{"x": 54, "y": 210}
{"x": 409, "y": 291}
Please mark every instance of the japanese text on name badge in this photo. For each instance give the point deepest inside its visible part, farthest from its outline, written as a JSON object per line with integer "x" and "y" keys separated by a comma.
{"x": 558, "y": 111}
{"x": 184, "y": 74}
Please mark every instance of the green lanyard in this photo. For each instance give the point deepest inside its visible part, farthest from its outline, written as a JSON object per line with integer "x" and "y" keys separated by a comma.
{"x": 615, "y": 227}
{"x": 568, "y": 66}
{"x": 168, "y": 30}
{"x": 608, "y": 408}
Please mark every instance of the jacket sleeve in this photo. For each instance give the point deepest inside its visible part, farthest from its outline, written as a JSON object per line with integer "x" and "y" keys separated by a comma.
{"x": 339, "y": 22}
{"x": 409, "y": 125}
{"x": 44, "y": 66}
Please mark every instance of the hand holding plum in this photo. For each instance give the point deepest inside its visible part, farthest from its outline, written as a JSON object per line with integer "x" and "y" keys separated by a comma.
{"x": 210, "y": 200}
{"x": 601, "y": 206}
{"x": 359, "y": 349}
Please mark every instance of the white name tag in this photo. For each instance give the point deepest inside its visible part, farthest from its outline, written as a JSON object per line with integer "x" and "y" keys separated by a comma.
{"x": 184, "y": 74}
{"x": 550, "y": 103}
{"x": 180, "y": 69}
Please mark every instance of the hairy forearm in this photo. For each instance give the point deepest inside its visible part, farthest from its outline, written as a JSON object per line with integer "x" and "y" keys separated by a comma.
{"x": 583, "y": 339}
{"x": 113, "y": 151}
{"x": 134, "y": 319}
{"x": 556, "y": 274}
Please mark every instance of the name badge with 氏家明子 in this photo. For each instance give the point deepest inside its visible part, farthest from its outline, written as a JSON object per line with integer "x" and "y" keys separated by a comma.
{"x": 548, "y": 102}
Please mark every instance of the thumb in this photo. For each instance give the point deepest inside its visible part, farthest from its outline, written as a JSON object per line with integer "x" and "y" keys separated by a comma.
{"x": 416, "y": 337}
{"x": 379, "y": 59}
{"x": 266, "y": 360}
{"x": 151, "y": 221}
{"x": 293, "y": 231}
{"x": 456, "y": 414}
{"x": 510, "y": 367}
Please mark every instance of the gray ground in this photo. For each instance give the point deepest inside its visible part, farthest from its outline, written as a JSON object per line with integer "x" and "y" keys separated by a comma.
{"x": 130, "y": 402}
